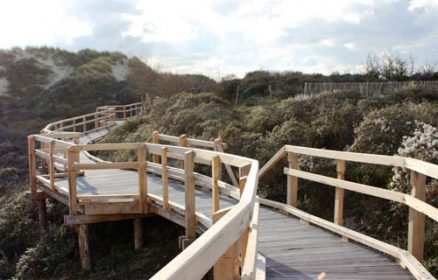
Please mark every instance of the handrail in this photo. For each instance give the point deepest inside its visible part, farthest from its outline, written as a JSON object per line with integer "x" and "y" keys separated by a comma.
{"x": 103, "y": 117}
{"x": 418, "y": 208}
{"x": 60, "y": 145}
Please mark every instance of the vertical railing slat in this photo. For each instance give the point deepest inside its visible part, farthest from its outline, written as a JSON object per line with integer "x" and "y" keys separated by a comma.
{"x": 155, "y": 140}
{"x": 142, "y": 178}
{"x": 182, "y": 143}
{"x": 417, "y": 219}
{"x": 165, "y": 176}
{"x": 339, "y": 194}
{"x": 216, "y": 171}
{"x": 190, "y": 217}
{"x": 292, "y": 181}
{"x": 52, "y": 165}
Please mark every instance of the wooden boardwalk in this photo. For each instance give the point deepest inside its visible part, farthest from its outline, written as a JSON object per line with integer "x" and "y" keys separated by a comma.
{"x": 293, "y": 249}
{"x": 227, "y": 227}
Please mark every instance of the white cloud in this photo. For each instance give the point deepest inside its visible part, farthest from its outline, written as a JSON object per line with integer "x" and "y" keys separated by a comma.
{"x": 426, "y": 4}
{"x": 47, "y": 22}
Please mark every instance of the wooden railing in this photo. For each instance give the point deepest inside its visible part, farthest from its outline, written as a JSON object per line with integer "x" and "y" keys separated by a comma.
{"x": 418, "y": 208}
{"x": 103, "y": 117}
{"x": 122, "y": 112}
{"x": 229, "y": 243}
{"x": 184, "y": 141}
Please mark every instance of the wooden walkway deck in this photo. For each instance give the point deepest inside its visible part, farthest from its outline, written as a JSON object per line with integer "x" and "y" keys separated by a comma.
{"x": 293, "y": 249}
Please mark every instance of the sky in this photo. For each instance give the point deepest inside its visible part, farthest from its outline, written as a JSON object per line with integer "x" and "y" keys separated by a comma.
{"x": 223, "y": 37}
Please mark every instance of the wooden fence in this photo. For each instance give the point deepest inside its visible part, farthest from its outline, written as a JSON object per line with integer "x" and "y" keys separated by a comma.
{"x": 418, "y": 208}
{"x": 367, "y": 88}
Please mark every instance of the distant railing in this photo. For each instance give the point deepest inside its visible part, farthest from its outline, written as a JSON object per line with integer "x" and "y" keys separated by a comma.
{"x": 103, "y": 117}
{"x": 229, "y": 245}
{"x": 418, "y": 208}
{"x": 366, "y": 88}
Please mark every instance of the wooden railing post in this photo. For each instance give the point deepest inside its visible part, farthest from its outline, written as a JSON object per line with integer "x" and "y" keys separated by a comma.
{"x": 142, "y": 178}
{"x": 243, "y": 177}
{"x": 165, "y": 177}
{"x": 124, "y": 112}
{"x": 52, "y": 165}
{"x": 292, "y": 181}
{"x": 190, "y": 206}
{"x": 339, "y": 194}
{"x": 417, "y": 219}
{"x": 155, "y": 140}
{"x": 84, "y": 125}
{"x": 182, "y": 143}
{"x": 216, "y": 171}
{"x": 32, "y": 165}
{"x": 96, "y": 122}
{"x": 73, "y": 156}
{"x": 74, "y": 125}
{"x": 227, "y": 267}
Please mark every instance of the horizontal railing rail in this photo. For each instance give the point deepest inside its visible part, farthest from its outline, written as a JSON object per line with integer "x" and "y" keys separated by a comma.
{"x": 418, "y": 208}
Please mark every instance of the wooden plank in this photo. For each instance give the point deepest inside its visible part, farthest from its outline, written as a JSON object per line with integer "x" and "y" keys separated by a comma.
{"x": 190, "y": 206}
{"x": 227, "y": 267}
{"x": 165, "y": 178}
{"x": 106, "y": 165}
{"x": 216, "y": 171}
{"x": 415, "y": 267}
{"x": 92, "y": 219}
{"x": 417, "y": 219}
{"x": 348, "y": 156}
{"x": 169, "y": 138}
{"x": 219, "y": 147}
{"x": 292, "y": 181}
{"x": 361, "y": 188}
{"x": 272, "y": 161}
{"x": 142, "y": 179}
{"x": 251, "y": 252}
{"x": 339, "y": 194}
{"x": 112, "y": 208}
{"x": 425, "y": 168}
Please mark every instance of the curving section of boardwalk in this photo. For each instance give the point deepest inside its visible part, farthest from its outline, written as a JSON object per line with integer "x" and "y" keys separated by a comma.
{"x": 225, "y": 228}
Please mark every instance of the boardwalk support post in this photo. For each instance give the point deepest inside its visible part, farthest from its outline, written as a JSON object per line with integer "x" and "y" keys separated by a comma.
{"x": 417, "y": 219}
{"x": 84, "y": 247}
{"x": 227, "y": 267}
{"x": 292, "y": 181}
{"x": 190, "y": 206}
{"x": 42, "y": 214}
{"x": 138, "y": 233}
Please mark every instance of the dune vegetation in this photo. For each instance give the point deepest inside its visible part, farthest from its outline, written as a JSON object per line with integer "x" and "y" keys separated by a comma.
{"x": 255, "y": 115}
